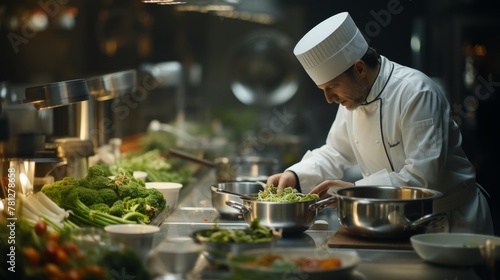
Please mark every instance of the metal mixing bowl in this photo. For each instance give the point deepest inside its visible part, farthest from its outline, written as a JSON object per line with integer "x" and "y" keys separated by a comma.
{"x": 219, "y": 199}
{"x": 386, "y": 211}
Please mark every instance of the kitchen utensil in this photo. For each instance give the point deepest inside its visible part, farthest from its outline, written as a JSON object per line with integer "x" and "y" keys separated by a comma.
{"x": 292, "y": 217}
{"x": 231, "y": 169}
{"x": 113, "y": 85}
{"x": 454, "y": 249}
{"x": 221, "y": 192}
{"x": 239, "y": 265}
{"x": 233, "y": 193}
{"x": 386, "y": 211}
{"x": 246, "y": 168}
{"x": 190, "y": 157}
{"x": 57, "y": 94}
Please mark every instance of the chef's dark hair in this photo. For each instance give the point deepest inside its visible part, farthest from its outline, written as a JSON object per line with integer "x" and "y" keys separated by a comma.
{"x": 371, "y": 58}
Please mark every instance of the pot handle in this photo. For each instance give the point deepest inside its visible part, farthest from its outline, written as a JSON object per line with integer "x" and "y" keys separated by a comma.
{"x": 238, "y": 206}
{"x": 433, "y": 217}
{"x": 319, "y": 205}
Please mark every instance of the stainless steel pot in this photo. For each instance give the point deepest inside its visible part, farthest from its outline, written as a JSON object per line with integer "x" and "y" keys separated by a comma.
{"x": 292, "y": 217}
{"x": 219, "y": 198}
{"x": 386, "y": 211}
{"x": 247, "y": 168}
{"x": 233, "y": 169}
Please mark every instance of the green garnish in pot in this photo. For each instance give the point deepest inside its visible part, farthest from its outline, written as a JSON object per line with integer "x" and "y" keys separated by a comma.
{"x": 288, "y": 194}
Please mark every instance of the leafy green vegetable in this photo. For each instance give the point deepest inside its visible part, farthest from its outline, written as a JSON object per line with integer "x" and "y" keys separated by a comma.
{"x": 124, "y": 199}
{"x": 256, "y": 233}
{"x": 289, "y": 194}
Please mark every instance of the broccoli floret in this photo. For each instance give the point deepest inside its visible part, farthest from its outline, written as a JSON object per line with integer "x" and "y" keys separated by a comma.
{"x": 101, "y": 207}
{"x": 127, "y": 185}
{"x": 137, "y": 204}
{"x": 58, "y": 190}
{"x": 98, "y": 183}
{"x": 96, "y": 179}
{"x": 117, "y": 209}
{"x": 156, "y": 200}
{"x": 95, "y": 172}
{"x": 128, "y": 190}
{"x": 135, "y": 210}
{"x": 108, "y": 196}
{"x": 87, "y": 196}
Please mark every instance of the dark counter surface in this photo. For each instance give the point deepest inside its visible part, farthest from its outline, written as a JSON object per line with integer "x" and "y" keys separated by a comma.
{"x": 194, "y": 212}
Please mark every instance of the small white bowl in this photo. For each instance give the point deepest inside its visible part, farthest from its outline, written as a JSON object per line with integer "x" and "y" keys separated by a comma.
{"x": 140, "y": 175}
{"x": 137, "y": 237}
{"x": 175, "y": 257}
{"x": 170, "y": 191}
{"x": 454, "y": 249}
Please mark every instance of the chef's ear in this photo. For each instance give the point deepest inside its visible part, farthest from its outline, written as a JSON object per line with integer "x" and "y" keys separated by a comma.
{"x": 360, "y": 67}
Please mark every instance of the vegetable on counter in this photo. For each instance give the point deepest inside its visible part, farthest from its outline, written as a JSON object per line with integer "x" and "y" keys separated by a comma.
{"x": 151, "y": 162}
{"x": 97, "y": 200}
{"x": 256, "y": 233}
{"x": 42, "y": 253}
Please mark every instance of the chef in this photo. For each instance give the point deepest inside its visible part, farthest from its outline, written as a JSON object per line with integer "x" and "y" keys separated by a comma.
{"x": 393, "y": 122}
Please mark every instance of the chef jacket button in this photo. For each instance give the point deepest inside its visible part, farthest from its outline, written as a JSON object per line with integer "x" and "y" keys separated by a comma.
{"x": 356, "y": 141}
{"x": 367, "y": 173}
{"x": 376, "y": 141}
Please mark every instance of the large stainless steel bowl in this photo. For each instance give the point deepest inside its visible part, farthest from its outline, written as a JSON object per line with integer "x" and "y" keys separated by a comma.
{"x": 291, "y": 217}
{"x": 386, "y": 211}
{"x": 219, "y": 199}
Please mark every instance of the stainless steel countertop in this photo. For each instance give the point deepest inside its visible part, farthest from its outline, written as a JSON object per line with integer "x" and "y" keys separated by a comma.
{"x": 195, "y": 212}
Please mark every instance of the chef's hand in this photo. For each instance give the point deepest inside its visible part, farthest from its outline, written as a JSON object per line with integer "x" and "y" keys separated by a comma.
{"x": 322, "y": 189}
{"x": 282, "y": 180}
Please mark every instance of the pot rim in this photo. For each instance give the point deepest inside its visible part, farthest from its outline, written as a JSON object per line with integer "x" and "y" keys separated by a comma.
{"x": 434, "y": 194}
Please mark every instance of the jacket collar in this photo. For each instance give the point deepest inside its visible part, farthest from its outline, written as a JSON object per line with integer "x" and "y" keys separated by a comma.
{"x": 384, "y": 74}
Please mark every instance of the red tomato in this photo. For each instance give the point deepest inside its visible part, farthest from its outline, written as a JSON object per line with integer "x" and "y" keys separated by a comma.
{"x": 50, "y": 251}
{"x": 52, "y": 271}
{"x": 32, "y": 256}
{"x": 94, "y": 270}
{"x": 61, "y": 256}
{"x": 52, "y": 236}
{"x": 40, "y": 228}
{"x": 72, "y": 274}
{"x": 71, "y": 248}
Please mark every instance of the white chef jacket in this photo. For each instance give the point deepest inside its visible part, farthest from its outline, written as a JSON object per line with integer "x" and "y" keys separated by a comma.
{"x": 403, "y": 136}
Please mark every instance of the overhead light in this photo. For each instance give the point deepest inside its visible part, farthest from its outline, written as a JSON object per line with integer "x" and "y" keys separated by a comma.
{"x": 164, "y": 2}
{"x": 260, "y": 11}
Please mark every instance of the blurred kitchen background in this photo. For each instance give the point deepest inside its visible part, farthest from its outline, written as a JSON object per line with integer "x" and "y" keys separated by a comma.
{"x": 223, "y": 71}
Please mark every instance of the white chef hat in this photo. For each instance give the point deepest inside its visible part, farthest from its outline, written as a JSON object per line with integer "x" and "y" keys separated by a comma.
{"x": 330, "y": 48}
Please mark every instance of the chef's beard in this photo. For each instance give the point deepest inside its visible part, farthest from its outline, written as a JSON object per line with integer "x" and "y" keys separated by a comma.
{"x": 359, "y": 94}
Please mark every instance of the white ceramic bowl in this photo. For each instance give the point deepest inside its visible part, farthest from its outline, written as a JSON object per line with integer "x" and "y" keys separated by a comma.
{"x": 137, "y": 237}
{"x": 140, "y": 175}
{"x": 455, "y": 249}
{"x": 177, "y": 257}
{"x": 170, "y": 191}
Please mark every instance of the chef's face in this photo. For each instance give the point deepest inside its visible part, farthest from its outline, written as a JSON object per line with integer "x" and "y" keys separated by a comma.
{"x": 348, "y": 89}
